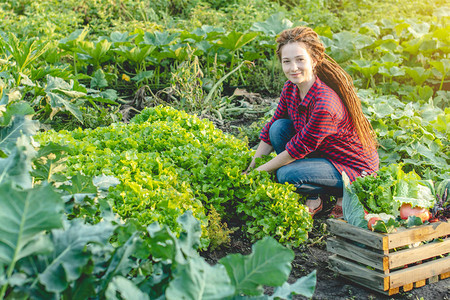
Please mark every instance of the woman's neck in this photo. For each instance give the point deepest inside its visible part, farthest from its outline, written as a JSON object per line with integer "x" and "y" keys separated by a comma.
{"x": 305, "y": 86}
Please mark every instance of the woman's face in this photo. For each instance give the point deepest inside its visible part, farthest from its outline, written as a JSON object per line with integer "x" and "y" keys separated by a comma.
{"x": 298, "y": 66}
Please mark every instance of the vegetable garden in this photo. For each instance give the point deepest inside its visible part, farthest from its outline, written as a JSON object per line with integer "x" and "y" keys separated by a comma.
{"x": 125, "y": 127}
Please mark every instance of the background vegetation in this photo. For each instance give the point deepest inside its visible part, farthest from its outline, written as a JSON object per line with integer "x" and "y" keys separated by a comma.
{"x": 79, "y": 71}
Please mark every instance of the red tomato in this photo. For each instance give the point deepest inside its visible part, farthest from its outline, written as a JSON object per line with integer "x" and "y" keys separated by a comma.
{"x": 406, "y": 210}
{"x": 372, "y": 222}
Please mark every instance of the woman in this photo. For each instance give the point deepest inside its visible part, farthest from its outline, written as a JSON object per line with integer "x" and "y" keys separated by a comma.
{"x": 318, "y": 130}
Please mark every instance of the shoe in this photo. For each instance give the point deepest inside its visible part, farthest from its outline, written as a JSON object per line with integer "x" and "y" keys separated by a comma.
{"x": 337, "y": 212}
{"x": 314, "y": 211}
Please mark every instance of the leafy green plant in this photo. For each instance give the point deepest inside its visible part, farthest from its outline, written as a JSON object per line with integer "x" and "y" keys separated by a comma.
{"x": 44, "y": 255}
{"x": 24, "y": 53}
{"x": 168, "y": 162}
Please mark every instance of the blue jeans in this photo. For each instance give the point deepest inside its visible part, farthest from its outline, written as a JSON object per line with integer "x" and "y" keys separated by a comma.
{"x": 313, "y": 175}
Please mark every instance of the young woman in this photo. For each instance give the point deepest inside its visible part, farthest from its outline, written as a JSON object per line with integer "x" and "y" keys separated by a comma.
{"x": 318, "y": 130}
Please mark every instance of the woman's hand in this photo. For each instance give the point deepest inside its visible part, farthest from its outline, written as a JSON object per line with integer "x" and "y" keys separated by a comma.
{"x": 250, "y": 167}
{"x": 277, "y": 162}
{"x": 263, "y": 149}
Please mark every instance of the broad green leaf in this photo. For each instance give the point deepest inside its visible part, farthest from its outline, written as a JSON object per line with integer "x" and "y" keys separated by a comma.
{"x": 362, "y": 41}
{"x": 120, "y": 37}
{"x": 413, "y": 221}
{"x": 66, "y": 263}
{"x": 249, "y": 273}
{"x": 370, "y": 27}
{"x": 198, "y": 280}
{"x": 57, "y": 83}
{"x": 19, "y": 126}
{"x": 120, "y": 263}
{"x": 443, "y": 66}
{"x": 419, "y": 30}
{"x": 163, "y": 245}
{"x": 342, "y": 46}
{"x": 143, "y": 75}
{"x": 159, "y": 39}
{"x": 275, "y": 24}
{"x": 366, "y": 67}
{"x": 104, "y": 182}
{"x": 418, "y": 74}
{"x": 80, "y": 187}
{"x": 351, "y": 206}
{"x": 17, "y": 166}
{"x": 25, "y": 52}
{"x": 304, "y": 286}
{"x": 17, "y": 108}
{"x": 108, "y": 94}
{"x": 136, "y": 55}
{"x": 125, "y": 288}
{"x": 98, "y": 51}
{"x": 386, "y": 227}
{"x": 98, "y": 80}
{"x": 70, "y": 43}
{"x": 235, "y": 40}
{"x": 58, "y": 103}
{"x": 189, "y": 239}
{"x": 25, "y": 215}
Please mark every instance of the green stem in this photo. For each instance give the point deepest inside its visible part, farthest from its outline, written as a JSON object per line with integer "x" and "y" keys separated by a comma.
{"x": 442, "y": 83}
{"x": 75, "y": 63}
{"x": 214, "y": 88}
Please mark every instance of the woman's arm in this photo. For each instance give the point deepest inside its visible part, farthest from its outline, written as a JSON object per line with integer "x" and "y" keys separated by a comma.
{"x": 277, "y": 162}
{"x": 263, "y": 149}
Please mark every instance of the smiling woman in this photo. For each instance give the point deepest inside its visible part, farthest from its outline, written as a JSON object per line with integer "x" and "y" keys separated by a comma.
{"x": 318, "y": 130}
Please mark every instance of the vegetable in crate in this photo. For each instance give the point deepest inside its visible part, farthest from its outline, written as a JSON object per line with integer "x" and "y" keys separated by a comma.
{"x": 390, "y": 188}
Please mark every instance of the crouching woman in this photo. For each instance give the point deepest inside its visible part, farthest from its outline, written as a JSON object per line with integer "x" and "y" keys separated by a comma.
{"x": 318, "y": 130}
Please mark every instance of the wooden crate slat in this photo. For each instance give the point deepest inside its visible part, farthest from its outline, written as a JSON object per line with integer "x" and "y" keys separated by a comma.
{"x": 393, "y": 291}
{"x": 420, "y": 283}
{"x": 359, "y": 274}
{"x": 408, "y": 287}
{"x": 445, "y": 275}
{"x": 408, "y": 256}
{"x": 413, "y": 274}
{"x": 418, "y": 234}
{"x": 368, "y": 257}
{"x": 361, "y": 235}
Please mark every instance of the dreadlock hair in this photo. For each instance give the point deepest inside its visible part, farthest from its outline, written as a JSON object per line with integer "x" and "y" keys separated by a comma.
{"x": 333, "y": 76}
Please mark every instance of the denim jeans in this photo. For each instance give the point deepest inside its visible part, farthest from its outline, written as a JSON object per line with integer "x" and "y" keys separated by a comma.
{"x": 312, "y": 175}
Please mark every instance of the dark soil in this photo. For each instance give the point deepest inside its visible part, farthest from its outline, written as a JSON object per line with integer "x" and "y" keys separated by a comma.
{"x": 313, "y": 256}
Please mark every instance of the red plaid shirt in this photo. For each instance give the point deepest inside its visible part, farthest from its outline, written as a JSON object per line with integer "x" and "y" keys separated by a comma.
{"x": 323, "y": 126}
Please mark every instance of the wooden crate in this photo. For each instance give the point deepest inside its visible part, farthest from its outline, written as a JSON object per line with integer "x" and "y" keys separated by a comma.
{"x": 382, "y": 263}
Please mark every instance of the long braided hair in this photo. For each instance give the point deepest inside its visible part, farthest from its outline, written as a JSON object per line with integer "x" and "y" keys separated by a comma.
{"x": 332, "y": 75}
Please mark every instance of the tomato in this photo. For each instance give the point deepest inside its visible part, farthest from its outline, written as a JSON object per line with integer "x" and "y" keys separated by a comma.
{"x": 406, "y": 210}
{"x": 372, "y": 222}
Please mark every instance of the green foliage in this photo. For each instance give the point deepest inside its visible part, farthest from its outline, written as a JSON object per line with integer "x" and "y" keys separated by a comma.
{"x": 390, "y": 188}
{"x": 414, "y": 134}
{"x": 351, "y": 205}
{"x": 45, "y": 256}
{"x": 168, "y": 162}
{"x": 218, "y": 231}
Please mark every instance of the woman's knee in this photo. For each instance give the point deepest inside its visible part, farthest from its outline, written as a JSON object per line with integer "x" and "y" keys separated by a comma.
{"x": 280, "y": 133}
{"x": 279, "y": 127}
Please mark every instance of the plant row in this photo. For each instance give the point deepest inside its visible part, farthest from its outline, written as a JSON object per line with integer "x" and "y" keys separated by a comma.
{"x": 46, "y": 253}
{"x": 168, "y": 162}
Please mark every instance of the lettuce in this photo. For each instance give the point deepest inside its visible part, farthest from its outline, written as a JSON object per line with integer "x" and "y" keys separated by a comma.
{"x": 390, "y": 187}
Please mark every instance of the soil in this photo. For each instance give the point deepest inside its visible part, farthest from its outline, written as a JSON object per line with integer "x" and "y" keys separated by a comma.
{"x": 313, "y": 256}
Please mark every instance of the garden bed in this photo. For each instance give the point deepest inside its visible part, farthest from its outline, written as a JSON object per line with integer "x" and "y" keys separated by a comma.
{"x": 385, "y": 262}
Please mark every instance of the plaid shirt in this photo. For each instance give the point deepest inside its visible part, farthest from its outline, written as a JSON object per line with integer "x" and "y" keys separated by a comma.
{"x": 324, "y": 127}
